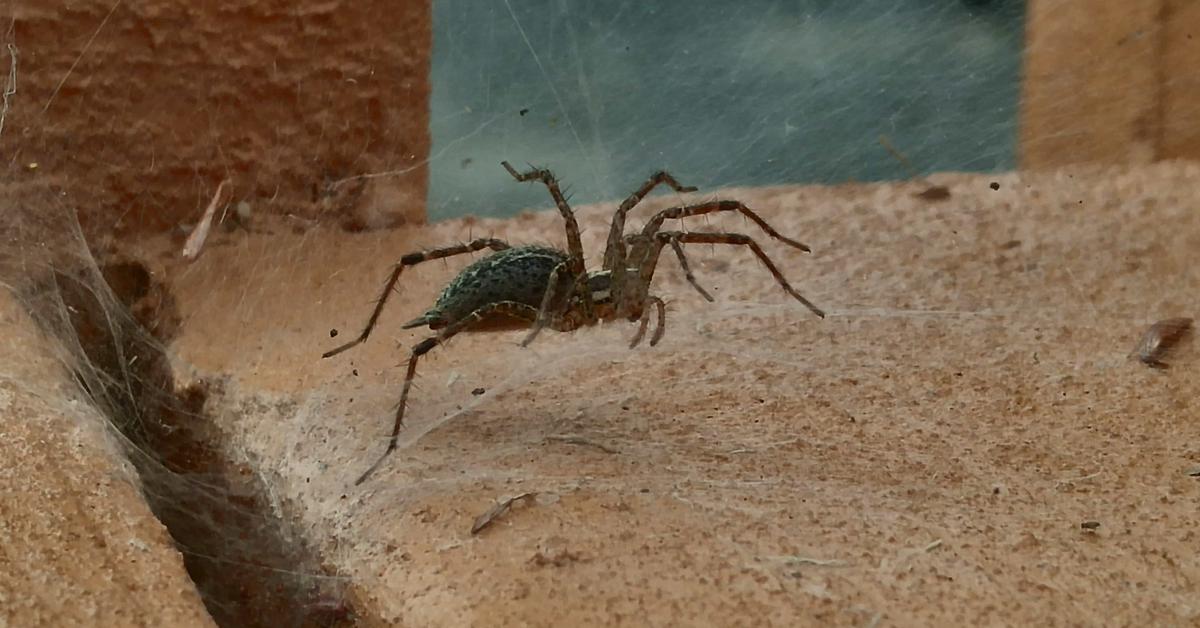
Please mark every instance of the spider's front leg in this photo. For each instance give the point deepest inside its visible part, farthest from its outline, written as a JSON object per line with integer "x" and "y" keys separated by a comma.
{"x": 739, "y": 239}
{"x": 505, "y": 308}
{"x": 712, "y": 207}
{"x": 645, "y": 321}
{"x": 614, "y": 250}
{"x": 648, "y": 244}
{"x": 644, "y": 250}
{"x": 630, "y": 290}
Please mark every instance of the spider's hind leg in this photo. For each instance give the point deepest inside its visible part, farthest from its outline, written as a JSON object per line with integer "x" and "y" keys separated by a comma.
{"x": 506, "y": 308}
{"x": 412, "y": 259}
{"x": 574, "y": 243}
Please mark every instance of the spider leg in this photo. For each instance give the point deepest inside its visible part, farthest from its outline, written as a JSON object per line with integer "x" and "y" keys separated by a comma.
{"x": 412, "y": 259}
{"x": 687, "y": 271}
{"x": 574, "y": 244}
{"x": 507, "y": 308}
{"x": 614, "y": 250}
{"x": 665, "y": 237}
{"x": 711, "y": 207}
{"x": 549, "y": 298}
{"x": 662, "y": 322}
{"x": 638, "y": 240}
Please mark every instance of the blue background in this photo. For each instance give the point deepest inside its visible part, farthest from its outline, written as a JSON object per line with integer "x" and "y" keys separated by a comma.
{"x": 755, "y": 92}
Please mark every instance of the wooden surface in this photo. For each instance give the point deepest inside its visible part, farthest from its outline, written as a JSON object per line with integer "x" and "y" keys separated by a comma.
{"x": 78, "y": 544}
{"x": 1110, "y": 82}
{"x": 924, "y": 456}
{"x": 1181, "y": 137}
{"x": 138, "y": 110}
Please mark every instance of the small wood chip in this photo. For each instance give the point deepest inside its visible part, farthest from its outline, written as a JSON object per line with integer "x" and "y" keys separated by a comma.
{"x": 1160, "y": 338}
{"x": 195, "y": 241}
{"x": 579, "y": 440}
{"x": 934, "y": 193}
{"x": 486, "y": 519}
{"x": 816, "y": 562}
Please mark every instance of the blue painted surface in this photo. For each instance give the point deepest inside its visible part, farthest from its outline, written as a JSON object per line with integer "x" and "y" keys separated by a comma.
{"x": 755, "y": 92}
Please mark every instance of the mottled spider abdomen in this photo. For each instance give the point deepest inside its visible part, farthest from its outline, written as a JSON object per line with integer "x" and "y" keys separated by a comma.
{"x": 518, "y": 275}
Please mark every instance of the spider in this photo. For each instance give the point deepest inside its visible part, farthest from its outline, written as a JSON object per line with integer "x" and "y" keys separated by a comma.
{"x": 534, "y": 287}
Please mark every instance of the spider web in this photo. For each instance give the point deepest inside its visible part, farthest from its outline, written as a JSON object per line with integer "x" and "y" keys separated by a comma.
{"x": 246, "y": 443}
{"x": 758, "y": 93}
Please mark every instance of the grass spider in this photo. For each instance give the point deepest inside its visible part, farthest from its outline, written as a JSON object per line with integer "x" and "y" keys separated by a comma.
{"x": 535, "y": 287}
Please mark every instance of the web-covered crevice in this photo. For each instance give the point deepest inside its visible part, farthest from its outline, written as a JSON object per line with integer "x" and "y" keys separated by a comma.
{"x": 110, "y": 320}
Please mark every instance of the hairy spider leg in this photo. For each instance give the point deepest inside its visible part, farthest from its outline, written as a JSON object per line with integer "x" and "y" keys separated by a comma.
{"x": 614, "y": 250}
{"x": 687, "y": 271}
{"x": 574, "y": 243}
{"x": 637, "y": 243}
{"x": 412, "y": 259}
{"x": 645, "y": 321}
{"x": 663, "y": 238}
{"x": 508, "y": 308}
{"x": 544, "y": 317}
{"x": 655, "y": 223}
{"x": 641, "y": 245}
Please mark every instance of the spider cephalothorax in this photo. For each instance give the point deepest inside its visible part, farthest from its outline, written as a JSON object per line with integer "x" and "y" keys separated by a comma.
{"x": 534, "y": 287}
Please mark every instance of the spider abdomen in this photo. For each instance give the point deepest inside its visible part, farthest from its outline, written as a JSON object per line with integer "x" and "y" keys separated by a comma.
{"x": 518, "y": 274}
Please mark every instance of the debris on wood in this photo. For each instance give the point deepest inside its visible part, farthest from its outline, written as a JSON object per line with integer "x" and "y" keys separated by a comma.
{"x": 553, "y": 558}
{"x": 798, "y": 561}
{"x": 1090, "y": 526}
{"x": 1068, "y": 482}
{"x": 931, "y": 193}
{"x": 579, "y": 440}
{"x": 1160, "y": 338}
{"x": 486, "y": 519}
{"x": 934, "y": 193}
{"x": 195, "y": 241}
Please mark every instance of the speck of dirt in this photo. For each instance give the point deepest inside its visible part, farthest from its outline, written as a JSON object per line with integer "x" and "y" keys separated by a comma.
{"x": 934, "y": 193}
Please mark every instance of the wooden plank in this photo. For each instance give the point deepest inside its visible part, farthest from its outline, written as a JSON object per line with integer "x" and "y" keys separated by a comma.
{"x": 138, "y": 110}
{"x": 1090, "y": 87}
{"x": 1181, "y": 87}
